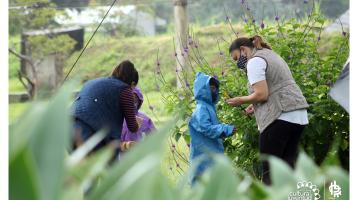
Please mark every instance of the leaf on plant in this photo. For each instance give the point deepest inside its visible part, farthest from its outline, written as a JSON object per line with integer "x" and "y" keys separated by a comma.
{"x": 23, "y": 177}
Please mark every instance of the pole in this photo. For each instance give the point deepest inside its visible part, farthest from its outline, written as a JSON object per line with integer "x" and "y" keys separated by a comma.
{"x": 181, "y": 30}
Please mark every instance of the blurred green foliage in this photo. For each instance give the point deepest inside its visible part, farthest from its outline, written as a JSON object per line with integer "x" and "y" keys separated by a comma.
{"x": 41, "y": 168}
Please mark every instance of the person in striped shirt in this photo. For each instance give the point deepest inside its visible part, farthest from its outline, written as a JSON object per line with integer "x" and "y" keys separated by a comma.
{"x": 104, "y": 103}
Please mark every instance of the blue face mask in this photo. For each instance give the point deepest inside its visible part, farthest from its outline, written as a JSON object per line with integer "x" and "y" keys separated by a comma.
{"x": 241, "y": 62}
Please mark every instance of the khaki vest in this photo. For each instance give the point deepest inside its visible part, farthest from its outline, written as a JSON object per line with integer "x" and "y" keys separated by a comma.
{"x": 284, "y": 94}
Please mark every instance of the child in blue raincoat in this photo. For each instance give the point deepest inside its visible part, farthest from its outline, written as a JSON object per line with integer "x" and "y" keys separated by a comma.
{"x": 206, "y": 131}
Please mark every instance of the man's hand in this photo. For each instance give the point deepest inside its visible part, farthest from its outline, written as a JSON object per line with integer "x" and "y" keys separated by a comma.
{"x": 250, "y": 109}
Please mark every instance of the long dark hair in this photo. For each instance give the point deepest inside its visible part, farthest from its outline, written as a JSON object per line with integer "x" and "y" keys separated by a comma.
{"x": 126, "y": 72}
{"x": 253, "y": 42}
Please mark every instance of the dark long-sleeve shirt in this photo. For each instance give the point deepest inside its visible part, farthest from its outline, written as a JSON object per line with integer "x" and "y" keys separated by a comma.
{"x": 129, "y": 109}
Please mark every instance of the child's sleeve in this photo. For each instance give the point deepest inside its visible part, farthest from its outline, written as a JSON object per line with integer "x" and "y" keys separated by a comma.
{"x": 210, "y": 130}
{"x": 150, "y": 127}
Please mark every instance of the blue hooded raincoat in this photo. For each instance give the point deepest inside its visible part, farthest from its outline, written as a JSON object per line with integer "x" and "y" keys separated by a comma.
{"x": 205, "y": 129}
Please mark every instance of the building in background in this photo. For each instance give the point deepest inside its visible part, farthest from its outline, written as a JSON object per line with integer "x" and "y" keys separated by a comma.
{"x": 144, "y": 23}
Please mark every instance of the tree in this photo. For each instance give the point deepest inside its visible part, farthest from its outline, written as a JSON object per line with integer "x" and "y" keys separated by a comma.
{"x": 26, "y": 15}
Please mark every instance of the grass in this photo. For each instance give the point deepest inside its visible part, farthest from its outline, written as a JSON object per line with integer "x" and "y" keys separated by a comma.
{"x": 16, "y": 110}
{"x": 105, "y": 52}
{"x": 15, "y": 86}
{"x": 14, "y": 62}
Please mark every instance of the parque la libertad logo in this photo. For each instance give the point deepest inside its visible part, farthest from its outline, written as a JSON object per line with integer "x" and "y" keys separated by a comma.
{"x": 305, "y": 191}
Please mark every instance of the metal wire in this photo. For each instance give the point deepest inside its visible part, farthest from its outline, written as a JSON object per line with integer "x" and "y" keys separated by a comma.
{"x": 95, "y": 31}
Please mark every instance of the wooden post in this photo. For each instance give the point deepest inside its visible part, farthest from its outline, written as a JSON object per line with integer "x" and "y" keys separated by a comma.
{"x": 181, "y": 31}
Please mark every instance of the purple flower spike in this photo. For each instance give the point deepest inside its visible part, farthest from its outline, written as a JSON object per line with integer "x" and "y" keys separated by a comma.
{"x": 242, "y": 1}
{"x": 319, "y": 38}
{"x": 344, "y": 33}
{"x": 253, "y": 20}
{"x": 222, "y": 73}
{"x": 187, "y": 85}
{"x": 190, "y": 41}
{"x": 305, "y": 1}
{"x": 277, "y": 18}
{"x": 262, "y": 25}
{"x": 195, "y": 45}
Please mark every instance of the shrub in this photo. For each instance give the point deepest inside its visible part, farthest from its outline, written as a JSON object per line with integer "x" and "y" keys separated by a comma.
{"x": 298, "y": 42}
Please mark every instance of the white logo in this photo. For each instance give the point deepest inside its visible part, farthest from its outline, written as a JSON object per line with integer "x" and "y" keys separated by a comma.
{"x": 335, "y": 190}
{"x": 305, "y": 191}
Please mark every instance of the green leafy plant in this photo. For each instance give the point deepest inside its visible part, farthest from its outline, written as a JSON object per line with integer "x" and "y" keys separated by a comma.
{"x": 303, "y": 44}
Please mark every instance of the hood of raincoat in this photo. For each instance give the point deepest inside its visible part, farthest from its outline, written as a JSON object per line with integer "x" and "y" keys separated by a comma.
{"x": 202, "y": 90}
{"x": 139, "y": 94}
